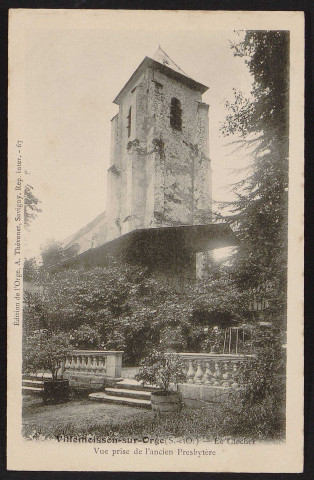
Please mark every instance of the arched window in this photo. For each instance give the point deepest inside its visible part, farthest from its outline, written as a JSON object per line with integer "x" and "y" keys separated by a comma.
{"x": 176, "y": 114}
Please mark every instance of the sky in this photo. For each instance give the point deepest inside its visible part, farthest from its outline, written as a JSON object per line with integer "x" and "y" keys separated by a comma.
{"x": 73, "y": 71}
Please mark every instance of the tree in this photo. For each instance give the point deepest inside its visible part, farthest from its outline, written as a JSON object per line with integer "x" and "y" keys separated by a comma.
{"x": 31, "y": 205}
{"x": 34, "y": 312}
{"x": 45, "y": 353}
{"x": 30, "y": 270}
{"x": 99, "y": 306}
{"x": 258, "y": 407}
{"x": 161, "y": 369}
{"x": 120, "y": 307}
{"x": 259, "y": 211}
{"x": 52, "y": 253}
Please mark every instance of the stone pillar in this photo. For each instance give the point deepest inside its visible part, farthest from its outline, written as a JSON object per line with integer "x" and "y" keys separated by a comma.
{"x": 114, "y": 364}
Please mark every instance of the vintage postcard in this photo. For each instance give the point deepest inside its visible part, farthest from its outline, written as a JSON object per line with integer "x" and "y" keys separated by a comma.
{"x": 155, "y": 250}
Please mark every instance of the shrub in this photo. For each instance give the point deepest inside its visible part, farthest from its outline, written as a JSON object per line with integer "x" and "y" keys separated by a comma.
{"x": 258, "y": 407}
{"x": 160, "y": 369}
{"x": 45, "y": 353}
{"x": 86, "y": 337}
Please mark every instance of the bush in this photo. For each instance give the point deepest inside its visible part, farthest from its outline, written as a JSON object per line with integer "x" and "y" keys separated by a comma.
{"x": 45, "y": 352}
{"x": 120, "y": 307}
{"x": 160, "y": 369}
{"x": 258, "y": 407}
{"x": 86, "y": 337}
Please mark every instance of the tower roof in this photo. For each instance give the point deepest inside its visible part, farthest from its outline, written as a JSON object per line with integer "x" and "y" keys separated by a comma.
{"x": 161, "y": 57}
{"x": 162, "y": 62}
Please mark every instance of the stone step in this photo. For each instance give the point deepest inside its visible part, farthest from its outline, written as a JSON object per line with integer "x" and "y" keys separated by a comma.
{"x": 32, "y": 383}
{"x": 123, "y": 392}
{"x": 130, "y": 384}
{"x": 35, "y": 376}
{"x": 132, "y": 402}
{"x": 32, "y": 390}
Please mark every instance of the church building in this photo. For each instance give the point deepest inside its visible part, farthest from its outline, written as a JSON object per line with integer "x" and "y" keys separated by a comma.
{"x": 159, "y": 183}
{"x": 160, "y": 173}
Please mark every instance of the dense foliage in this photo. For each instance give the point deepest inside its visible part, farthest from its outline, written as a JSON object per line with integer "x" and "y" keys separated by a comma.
{"x": 44, "y": 352}
{"x": 122, "y": 307}
{"x": 30, "y": 270}
{"x": 259, "y": 405}
{"x": 160, "y": 369}
{"x": 53, "y": 253}
{"x": 259, "y": 123}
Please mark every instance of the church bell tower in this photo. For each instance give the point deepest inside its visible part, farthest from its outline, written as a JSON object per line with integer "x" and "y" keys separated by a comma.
{"x": 160, "y": 173}
{"x": 158, "y": 212}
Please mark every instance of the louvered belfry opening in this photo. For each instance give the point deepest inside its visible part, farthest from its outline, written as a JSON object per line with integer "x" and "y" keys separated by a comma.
{"x": 176, "y": 114}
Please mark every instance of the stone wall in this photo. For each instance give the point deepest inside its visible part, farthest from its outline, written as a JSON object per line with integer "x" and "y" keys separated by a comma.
{"x": 182, "y": 156}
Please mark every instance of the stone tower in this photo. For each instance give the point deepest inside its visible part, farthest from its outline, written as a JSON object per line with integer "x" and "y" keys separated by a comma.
{"x": 160, "y": 172}
{"x": 158, "y": 211}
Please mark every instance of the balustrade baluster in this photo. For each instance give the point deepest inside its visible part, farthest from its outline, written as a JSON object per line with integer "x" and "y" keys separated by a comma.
{"x": 93, "y": 364}
{"x": 67, "y": 365}
{"x": 184, "y": 368}
{"x": 83, "y": 363}
{"x": 199, "y": 373}
{"x": 217, "y": 373}
{"x": 74, "y": 365}
{"x": 89, "y": 363}
{"x": 190, "y": 373}
{"x": 86, "y": 362}
{"x": 235, "y": 368}
{"x": 78, "y": 362}
{"x": 104, "y": 364}
{"x": 226, "y": 375}
{"x": 207, "y": 378}
{"x": 98, "y": 364}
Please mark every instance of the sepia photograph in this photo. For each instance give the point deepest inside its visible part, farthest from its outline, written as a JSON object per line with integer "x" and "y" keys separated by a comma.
{"x": 155, "y": 246}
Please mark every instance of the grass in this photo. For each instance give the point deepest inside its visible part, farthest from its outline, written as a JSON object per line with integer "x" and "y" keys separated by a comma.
{"x": 77, "y": 416}
{"x": 83, "y": 417}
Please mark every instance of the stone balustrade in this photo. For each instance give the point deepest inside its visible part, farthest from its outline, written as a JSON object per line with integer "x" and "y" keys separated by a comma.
{"x": 94, "y": 363}
{"x": 212, "y": 369}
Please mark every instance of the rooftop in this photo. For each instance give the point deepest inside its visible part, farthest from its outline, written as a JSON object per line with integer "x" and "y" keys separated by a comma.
{"x": 162, "y": 62}
{"x": 154, "y": 246}
{"x": 161, "y": 57}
